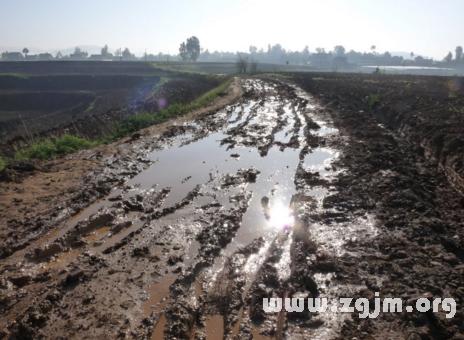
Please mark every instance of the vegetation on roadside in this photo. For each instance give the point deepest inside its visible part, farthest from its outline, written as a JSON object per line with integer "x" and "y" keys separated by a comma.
{"x": 373, "y": 100}
{"x": 15, "y": 75}
{"x": 143, "y": 120}
{"x": 58, "y": 146}
{"x": 53, "y": 147}
{"x": 2, "y": 164}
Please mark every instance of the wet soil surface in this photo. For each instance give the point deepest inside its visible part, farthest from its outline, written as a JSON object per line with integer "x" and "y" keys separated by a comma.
{"x": 273, "y": 196}
{"x": 393, "y": 171}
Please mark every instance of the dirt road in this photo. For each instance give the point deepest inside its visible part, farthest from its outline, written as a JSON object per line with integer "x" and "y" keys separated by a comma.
{"x": 256, "y": 200}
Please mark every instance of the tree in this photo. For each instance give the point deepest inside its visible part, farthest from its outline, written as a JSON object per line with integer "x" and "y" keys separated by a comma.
{"x": 373, "y": 48}
{"x": 79, "y": 54}
{"x": 183, "y": 53}
{"x": 253, "y": 67}
{"x": 253, "y": 49}
{"x": 305, "y": 55}
{"x": 339, "y": 50}
{"x": 193, "y": 48}
{"x": 448, "y": 58}
{"x": 104, "y": 51}
{"x": 419, "y": 60}
{"x": 242, "y": 64}
{"x": 25, "y": 51}
{"x": 458, "y": 55}
{"x": 126, "y": 54}
{"x": 59, "y": 55}
{"x": 305, "y": 51}
{"x": 190, "y": 50}
{"x": 118, "y": 53}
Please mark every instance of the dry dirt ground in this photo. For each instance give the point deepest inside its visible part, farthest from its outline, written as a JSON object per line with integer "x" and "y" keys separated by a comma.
{"x": 182, "y": 230}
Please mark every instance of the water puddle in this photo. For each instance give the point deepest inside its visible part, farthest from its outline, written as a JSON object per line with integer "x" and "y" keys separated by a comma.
{"x": 157, "y": 293}
{"x": 158, "y": 332}
{"x": 214, "y": 326}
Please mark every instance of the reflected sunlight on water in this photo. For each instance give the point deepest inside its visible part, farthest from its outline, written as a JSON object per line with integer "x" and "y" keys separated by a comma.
{"x": 280, "y": 217}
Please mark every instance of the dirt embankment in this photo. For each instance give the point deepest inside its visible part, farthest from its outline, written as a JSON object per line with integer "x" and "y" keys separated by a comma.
{"x": 33, "y": 106}
{"x": 426, "y": 111}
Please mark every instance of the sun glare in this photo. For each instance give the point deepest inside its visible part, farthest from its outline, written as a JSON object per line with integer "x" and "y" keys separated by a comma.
{"x": 281, "y": 216}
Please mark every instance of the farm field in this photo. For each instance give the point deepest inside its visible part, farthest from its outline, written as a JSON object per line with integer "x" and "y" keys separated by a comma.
{"x": 85, "y": 98}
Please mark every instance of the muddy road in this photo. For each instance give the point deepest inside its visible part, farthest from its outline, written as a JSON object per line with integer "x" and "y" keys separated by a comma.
{"x": 253, "y": 201}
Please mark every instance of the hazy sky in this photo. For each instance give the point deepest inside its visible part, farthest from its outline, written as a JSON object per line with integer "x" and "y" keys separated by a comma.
{"x": 427, "y": 27}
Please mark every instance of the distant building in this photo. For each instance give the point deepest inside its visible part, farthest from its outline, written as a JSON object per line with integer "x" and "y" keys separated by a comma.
{"x": 12, "y": 56}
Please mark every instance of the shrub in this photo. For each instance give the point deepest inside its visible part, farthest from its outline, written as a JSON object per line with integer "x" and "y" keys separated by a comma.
{"x": 373, "y": 100}
{"x": 132, "y": 124}
{"x": 143, "y": 120}
{"x": 52, "y": 147}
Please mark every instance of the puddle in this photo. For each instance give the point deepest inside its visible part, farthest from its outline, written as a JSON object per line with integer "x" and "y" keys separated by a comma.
{"x": 61, "y": 260}
{"x": 158, "y": 332}
{"x": 320, "y": 160}
{"x": 97, "y": 235}
{"x": 157, "y": 292}
{"x": 214, "y": 326}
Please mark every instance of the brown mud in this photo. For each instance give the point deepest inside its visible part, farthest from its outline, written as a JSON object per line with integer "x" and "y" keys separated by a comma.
{"x": 190, "y": 225}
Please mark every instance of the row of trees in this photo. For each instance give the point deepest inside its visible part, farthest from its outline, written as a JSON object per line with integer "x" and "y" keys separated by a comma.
{"x": 276, "y": 54}
{"x": 77, "y": 54}
{"x": 190, "y": 51}
{"x": 458, "y": 57}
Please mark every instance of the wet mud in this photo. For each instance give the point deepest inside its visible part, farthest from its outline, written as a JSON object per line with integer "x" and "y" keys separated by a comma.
{"x": 276, "y": 195}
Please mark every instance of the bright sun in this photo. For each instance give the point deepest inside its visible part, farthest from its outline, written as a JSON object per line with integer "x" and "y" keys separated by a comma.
{"x": 280, "y": 216}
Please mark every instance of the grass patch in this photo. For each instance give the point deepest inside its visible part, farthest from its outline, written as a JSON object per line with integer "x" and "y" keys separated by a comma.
{"x": 143, "y": 120}
{"x": 132, "y": 124}
{"x": 373, "y": 100}
{"x": 15, "y": 75}
{"x": 53, "y": 147}
{"x": 2, "y": 164}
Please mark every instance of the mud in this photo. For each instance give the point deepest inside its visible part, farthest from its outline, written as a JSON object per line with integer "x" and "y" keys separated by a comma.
{"x": 281, "y": 194}
{"x": 417, "y": 206}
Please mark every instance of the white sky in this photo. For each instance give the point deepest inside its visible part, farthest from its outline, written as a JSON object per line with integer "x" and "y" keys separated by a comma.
{"x": 427, "y": 27}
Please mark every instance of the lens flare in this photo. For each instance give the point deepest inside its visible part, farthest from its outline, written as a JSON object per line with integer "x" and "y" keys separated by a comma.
{"x": 162, "y": 103}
